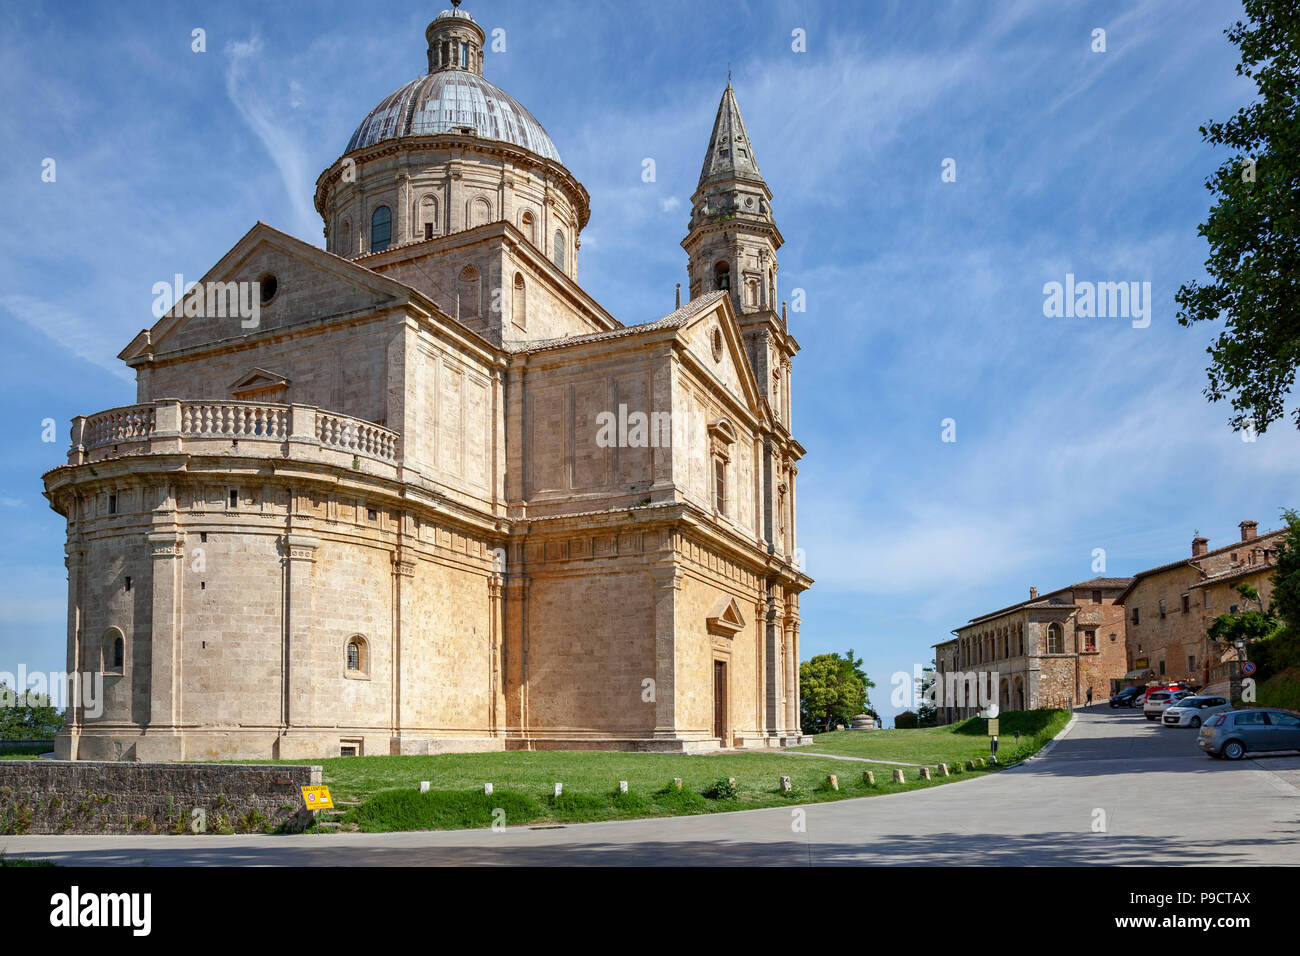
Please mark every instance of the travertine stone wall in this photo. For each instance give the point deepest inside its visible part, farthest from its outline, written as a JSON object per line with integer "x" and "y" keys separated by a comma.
{"x": 43, "y": 796}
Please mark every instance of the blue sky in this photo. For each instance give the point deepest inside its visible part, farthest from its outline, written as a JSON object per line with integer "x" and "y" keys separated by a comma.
{"x": 924, "y": 297}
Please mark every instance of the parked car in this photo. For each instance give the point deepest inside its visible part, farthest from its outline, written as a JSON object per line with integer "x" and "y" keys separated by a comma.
{"x": 1194, "y": 711}
{"x": 1233, "y": 735}
{"x": 1158, "y": 700}
{"x": 1125, "y": 697}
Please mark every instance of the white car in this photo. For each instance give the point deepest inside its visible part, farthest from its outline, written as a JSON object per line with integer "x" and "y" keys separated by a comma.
{"x": 1194, "y": 711}
{"x": 1158, "y": 700}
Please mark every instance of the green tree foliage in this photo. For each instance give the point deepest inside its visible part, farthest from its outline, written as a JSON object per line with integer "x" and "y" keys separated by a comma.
{"x": 27, "y": 716}
{"x": 1253, "y": 228}
{"x": 1281, "y": 649}
{"x": 832, "y": 689}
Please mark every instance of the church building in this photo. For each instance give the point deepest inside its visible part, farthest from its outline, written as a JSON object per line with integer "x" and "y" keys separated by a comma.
{"x": 428, "y": 495}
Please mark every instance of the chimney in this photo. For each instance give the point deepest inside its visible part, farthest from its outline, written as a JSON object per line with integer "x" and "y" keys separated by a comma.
{"x": 1199, "y": 546}
{"x": 1248, "y": 530}
{"x": 1033, "y": 593}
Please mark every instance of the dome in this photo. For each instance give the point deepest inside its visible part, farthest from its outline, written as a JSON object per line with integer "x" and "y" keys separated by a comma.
{"x": 450, "y": 101}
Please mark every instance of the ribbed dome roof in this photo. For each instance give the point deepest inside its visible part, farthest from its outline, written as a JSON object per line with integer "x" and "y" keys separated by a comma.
{"x": 447, "y": 100}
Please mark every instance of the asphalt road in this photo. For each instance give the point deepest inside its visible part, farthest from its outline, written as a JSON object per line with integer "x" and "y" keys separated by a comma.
{"x": 1116, "y": 790}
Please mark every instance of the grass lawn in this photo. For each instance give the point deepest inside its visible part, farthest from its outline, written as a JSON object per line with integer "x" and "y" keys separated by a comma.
{"x": 376, "y": 794}
{"x": 961, "y": 741}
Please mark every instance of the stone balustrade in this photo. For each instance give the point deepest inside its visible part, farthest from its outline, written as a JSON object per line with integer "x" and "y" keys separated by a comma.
{"x": 175, "y": 427}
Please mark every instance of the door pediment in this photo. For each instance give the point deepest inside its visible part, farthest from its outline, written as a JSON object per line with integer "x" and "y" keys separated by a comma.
{"x": 725, "y": 619}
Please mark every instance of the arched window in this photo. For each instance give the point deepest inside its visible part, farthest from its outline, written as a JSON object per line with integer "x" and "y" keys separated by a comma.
{"x": 469, "y": 294}
{"x": 381, "y": 229}
{"x": 518, "y": 302}
{"x": 722, "y": 276}
{"x": 480, "y": 212}
{"x": 528, "y": 227}
{"x": 559, "y": 250}
{"x": 113, "y": 659}
{"x": 357, "y": 662}
{"x": 427, "y": 218}
{"x": 344, "y": 247}
{"x": 1055, "y": 639}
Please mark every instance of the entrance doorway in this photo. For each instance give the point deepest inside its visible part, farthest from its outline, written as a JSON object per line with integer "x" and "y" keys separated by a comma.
{"x": 720, "y": 701}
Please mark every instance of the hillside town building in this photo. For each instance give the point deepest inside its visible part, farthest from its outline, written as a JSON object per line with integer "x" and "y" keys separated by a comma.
{"x": 1170, "y": 608}
{"x": 1046, "y": 651}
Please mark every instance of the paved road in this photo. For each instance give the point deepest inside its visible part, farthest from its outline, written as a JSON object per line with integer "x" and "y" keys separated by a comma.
{"x": 1163, "y": 803}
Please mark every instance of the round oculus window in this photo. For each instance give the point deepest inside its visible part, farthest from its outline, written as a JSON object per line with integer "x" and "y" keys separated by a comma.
{"x": 268, "y": 285}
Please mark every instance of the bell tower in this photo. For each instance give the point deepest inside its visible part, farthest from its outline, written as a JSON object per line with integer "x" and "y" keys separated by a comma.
{"x": 732, "y": 245}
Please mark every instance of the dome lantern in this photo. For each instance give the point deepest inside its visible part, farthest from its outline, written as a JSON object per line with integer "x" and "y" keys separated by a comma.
{"x": 455, "y": 41}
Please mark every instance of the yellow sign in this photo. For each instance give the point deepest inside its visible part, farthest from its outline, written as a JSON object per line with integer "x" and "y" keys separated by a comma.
{"x": 317, "y": 798}
{"x": 993, "y": 729}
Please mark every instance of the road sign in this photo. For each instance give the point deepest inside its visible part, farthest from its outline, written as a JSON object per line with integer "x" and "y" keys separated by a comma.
{"x": 993, "y": 726}
{"x": 317, "y": 798}
{"x": 1248, "y": 668}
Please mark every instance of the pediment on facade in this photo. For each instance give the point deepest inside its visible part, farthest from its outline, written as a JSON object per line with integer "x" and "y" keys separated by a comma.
{"x": 725, "y": 618}
{"x": 256, "y": 382}
{"x": 268, "y": 281}
{"x": 714, "y": 340}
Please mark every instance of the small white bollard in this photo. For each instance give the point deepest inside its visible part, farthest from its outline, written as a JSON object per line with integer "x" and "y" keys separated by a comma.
{"x": 424, "y": 786}
{"x": 559, "y": 789}
{"x": 622, "y": 786}
{"x": 487, "y": 789}
{"x": 677, "y": 782}
{"x": 898, "y": 776}
{"x": 785, "y": 784}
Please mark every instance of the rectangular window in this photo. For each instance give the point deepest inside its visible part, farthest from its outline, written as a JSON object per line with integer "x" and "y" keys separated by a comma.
{"x": 372, "y": 514}
{"x": 233, "y": 498}
{"x": 1089, "y": 640}
{"x": 428, "y": 230}
{"x": 1162, "y": 608}
{"x": 1187, "y": 603}
{"x": 1135, "y": 615}
{"x": 720, "y": 485}
{"x": 128, "y": 582}
{"x": 1162, "y": 668}
{"x": 1191, "y": 663}
{"x": 112, "y": 504}
{"x": 1096, "y": 597}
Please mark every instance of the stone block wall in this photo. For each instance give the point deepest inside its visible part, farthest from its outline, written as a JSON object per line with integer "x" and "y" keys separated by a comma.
{"x": 47, "y": 796}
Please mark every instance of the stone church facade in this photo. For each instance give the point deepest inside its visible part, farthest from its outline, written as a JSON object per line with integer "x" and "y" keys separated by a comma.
{"x": 389, "y": 513}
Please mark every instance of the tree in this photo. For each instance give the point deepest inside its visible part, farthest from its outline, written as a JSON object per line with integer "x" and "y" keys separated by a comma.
{"x": 1281, "y": 649}
{"x": 27, "y": 716}
{"x": 832, "y": 689}
{"x": 1253, "y": 624}
{"x": 1253, "y": 228}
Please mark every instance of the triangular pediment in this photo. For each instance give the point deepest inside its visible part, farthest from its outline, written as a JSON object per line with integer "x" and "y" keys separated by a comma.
{"x": 257, "y": 380}
{"x": 267, "y": 282}
{"x": 725, "y": 618}
{"x": 715, "y": 342}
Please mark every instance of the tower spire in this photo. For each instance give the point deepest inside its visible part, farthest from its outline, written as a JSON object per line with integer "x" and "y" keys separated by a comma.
{"x": 730, "y": 154}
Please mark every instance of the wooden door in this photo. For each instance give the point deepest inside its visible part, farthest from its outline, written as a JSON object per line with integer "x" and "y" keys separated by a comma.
{"x": 720, "y": 701}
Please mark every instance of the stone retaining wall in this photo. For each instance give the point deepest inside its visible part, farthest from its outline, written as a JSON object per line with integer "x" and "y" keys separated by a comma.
{"x": 54, "y": 796}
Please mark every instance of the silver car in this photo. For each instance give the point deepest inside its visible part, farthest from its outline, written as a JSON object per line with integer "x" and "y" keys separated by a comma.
{"x": 1194, "y": 711}
{"x": 1233, "y": 735}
